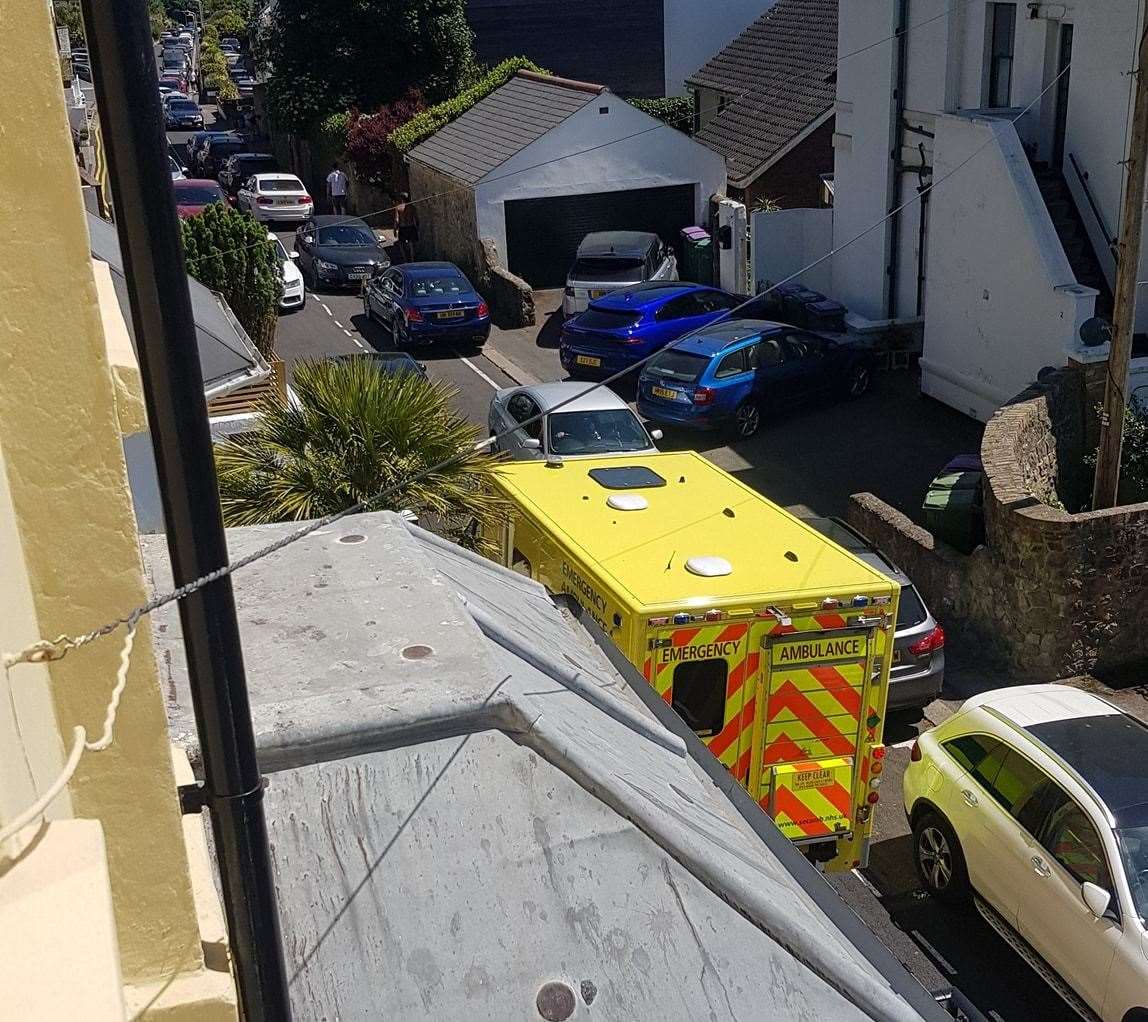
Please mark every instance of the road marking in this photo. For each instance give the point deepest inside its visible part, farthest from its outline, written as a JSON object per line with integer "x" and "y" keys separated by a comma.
{"x": 866, "y": 881}
{"x": 358, "y": 342}
{"x": 470, "y": 365}
{"x": 933, "y": 952}
{"x": 347, "y": 332}
{"x": 995, "y": 1015}
{"x": 340, "y": 326}
{"x": 327, "y": 311}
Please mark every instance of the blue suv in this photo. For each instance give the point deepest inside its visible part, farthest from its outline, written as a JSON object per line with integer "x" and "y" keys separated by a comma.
{"x": 732, "y": 373}
{"x": 626, "y": 326}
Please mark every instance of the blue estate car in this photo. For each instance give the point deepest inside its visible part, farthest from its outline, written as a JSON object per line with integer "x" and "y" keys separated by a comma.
{"x": 625, "y": 326}
{"x": 420, "y": 303}
{"x": 732, "y": 373}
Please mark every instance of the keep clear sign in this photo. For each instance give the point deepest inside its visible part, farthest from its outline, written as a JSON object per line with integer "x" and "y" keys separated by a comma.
{"x": 804, "y": 649}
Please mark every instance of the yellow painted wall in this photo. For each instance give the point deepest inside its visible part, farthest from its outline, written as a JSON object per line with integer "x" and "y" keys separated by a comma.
{"x": 68, "y": 545}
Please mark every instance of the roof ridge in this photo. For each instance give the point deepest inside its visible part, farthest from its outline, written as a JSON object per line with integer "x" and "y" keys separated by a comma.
{"x": 565, "y": 83}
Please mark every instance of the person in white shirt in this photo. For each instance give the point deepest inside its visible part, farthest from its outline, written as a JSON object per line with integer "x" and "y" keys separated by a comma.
{"x": 337, "y": 190}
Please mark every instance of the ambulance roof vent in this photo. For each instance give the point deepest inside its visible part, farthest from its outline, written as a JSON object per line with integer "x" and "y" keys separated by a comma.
{"x": 709, "y": 567}
{"x": 627, "y": 502}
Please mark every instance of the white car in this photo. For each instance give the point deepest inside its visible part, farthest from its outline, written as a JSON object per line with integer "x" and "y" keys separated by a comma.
{"x": 275, "y": 197}
{"x": 294, "y": 294}
{"x": 609, "y": 260}
{"x": 178, "y": 173}
{"x": 575, "y": 424}
{"x": 1033, "y": 801}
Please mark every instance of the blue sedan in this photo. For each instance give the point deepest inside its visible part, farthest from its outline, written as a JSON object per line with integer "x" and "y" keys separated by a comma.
{"x": 422, "y": 303}
{"x": 735, "y": 372}
{"x": 625, "y": 326}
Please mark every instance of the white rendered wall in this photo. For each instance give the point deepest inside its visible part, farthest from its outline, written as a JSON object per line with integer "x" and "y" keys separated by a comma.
{"x": 696, "y": 31}
{"x": 785, "y": 241}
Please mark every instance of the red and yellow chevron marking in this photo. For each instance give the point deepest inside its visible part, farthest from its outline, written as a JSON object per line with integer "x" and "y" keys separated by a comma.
{"x": 811, "y": 799}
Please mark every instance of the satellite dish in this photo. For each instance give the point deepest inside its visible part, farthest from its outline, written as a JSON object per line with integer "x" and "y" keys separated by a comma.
{"x": 1095, "y": 331}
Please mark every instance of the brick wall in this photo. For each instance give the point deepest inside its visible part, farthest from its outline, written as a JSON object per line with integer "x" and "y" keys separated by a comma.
{"x": 794, "y": 181}
{"x": 1052, "y": 592}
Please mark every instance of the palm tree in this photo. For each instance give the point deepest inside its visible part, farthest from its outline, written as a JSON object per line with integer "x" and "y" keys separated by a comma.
{"x": 354, "y": 432}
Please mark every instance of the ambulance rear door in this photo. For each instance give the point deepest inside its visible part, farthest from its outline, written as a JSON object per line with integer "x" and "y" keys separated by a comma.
{"x": 707, "y": 671}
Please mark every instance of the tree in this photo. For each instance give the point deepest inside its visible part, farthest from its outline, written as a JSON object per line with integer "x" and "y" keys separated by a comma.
{"x": 229, "y": 23}
{"x": 328, "y": 57}
{"x": 157, "y": 15}
{"x": 69, "y": 16}
{"x": 229, "y": 252}
{"x": 368, "y": 144}
{"x": 353, "y": 432}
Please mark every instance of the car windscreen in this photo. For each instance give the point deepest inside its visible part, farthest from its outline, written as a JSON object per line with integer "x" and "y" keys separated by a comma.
{"x": 198, "y": 195}
{"x": 281, "y": 184}
{"x": 910, "y": 610}
{"x": 345, "y": 234}
{"x": 678, "y": 365}
{"x": 607, "y": 319}
{"x": 444, "y": 284}
{"x": 605, "y": 268}
{"x": 1133, "y": 843}
{"x": 182, "y": 106}
{"x": 596, "y": 432}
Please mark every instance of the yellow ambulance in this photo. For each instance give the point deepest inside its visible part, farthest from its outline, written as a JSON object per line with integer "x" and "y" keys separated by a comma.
{"x": 773, "y": 643}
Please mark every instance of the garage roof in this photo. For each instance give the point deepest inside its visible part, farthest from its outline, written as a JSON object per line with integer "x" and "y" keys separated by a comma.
{"x": 503, "y": 124}
{"x": 778, "y": 78}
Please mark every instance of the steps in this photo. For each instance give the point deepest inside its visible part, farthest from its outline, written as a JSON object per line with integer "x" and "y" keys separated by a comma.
{"x": 1073, "y": 236}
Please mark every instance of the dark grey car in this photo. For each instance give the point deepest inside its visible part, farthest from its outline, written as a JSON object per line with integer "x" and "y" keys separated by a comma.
{"x": 338, "y": 252}
{"x": 918, "y": 669}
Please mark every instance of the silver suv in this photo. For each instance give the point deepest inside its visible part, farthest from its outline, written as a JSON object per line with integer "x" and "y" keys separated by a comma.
{"x": 918, "y": 669}
{"x": 608, "y": 260}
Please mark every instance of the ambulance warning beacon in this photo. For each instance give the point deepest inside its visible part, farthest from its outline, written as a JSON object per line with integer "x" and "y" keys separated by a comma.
{"x": 769, "y": 640}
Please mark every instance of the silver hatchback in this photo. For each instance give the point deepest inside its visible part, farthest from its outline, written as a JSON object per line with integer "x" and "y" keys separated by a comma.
{"x": 918, "y": 669}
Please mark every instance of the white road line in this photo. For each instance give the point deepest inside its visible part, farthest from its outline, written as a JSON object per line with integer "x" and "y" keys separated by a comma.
{"x": 327, "y": 311}
{"x": 470, "y": 365}
{"x": 932, "y": 952}
{"x": 340, "y": 326}
{"x": 866, "y": 881}
{"x": 358, "y": 342}
{"x": 346, "y": 331}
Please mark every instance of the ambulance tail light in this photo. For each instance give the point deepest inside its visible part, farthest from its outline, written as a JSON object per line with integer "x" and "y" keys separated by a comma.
{"x": 931, "y": 643}
{"x": 915, "y": 755}
{"x": 830, "y": 603}
{"x": 873, "y": 798}
{"x": 703, "y": 395}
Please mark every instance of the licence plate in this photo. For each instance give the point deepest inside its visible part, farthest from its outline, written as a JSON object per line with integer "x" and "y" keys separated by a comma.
{"x": 357, "y": 275}
{"x": 452, "y": 314}
{"x": 598, "y": 292}
{"x": 286, "y": 202}
{"x": 669, "y": 395}
{"x": 587, "y": 360}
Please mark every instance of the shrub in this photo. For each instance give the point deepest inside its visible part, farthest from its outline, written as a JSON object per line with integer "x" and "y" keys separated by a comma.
{"x": 368, "y": 139}
{"x": 425, "y": 124}
{"x": 676, "y": 111}
{"x": 229, "y": 252}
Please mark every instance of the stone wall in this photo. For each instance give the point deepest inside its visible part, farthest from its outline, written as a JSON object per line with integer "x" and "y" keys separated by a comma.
{"x": 1051, "y": 592}
{"x": 511, "y": 299}
{"x": 448, "y": 227}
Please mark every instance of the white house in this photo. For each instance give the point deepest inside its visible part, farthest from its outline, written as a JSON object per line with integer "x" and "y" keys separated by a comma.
{"x": 1017, "y": 114}
{"x": 543, "y": 161}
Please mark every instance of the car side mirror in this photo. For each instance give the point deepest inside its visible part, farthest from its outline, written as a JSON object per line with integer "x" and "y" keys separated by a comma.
{"x": 655, "y": 434}
{"x": 184, "y": 170}
{"x": 532, "y": 443}
{"x": 292, "y": 255}
{"x": 1095, "y": 897}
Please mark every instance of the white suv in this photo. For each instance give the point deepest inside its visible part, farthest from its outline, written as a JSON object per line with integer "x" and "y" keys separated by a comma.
{"x": 1034, "y": 802}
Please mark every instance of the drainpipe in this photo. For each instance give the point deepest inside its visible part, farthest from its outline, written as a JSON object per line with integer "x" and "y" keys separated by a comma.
{"x": 124, "y": 67}
{"x": 894, "y": 234}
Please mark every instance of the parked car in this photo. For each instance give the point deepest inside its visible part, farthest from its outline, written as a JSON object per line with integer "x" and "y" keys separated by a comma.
{"x": 195, "y": 149}
{"x": 608, "y": 260}
{"x": 229, "y": 44}
{"x": 630, "y": 324}
{"x": 729, "y": 374}
{"x": 178, "y": 173}
{"x": 421, "y": 303}
{"x": 338, "y": 252}
{"x": 176, "y": 81}
{"x": 238, "y": 167}
{"x": 391, "y": 363}
{"x": 574, "y": 423}
{"x": 165, "y": 89}
{"x": 181, "y": 113}
{"x": 294, "y": 293}
{"x": 193, "y": 195}
{"x": 918, "y": 669}
{"x": 275, "y": 197}
{"x": 82, "y": 71}
{"x": 216, "y": 149}
{"x": 1033, "y": 803}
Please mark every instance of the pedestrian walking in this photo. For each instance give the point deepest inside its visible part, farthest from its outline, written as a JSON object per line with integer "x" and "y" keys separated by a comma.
{"x": 406, "y": 227}
{"x": 337, "y": 190}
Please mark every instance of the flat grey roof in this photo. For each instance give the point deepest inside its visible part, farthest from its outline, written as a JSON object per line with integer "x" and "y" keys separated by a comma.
{"x": 466, "y": 801}
{"x": 502, "y": 124}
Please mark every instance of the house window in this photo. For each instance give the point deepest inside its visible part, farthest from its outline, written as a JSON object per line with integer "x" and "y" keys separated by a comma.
{"x": 1002, "y": 34}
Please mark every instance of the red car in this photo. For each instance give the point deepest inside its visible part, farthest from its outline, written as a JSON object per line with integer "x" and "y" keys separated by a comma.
{"x": 176, "y": 81}
{"x": 193, "y": 195}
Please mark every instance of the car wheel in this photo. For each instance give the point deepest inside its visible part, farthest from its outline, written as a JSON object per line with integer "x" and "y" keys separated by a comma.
{"x": 747, "y": 419}
{"x": 858, "y": 380}
{"x": 939, "y": 860}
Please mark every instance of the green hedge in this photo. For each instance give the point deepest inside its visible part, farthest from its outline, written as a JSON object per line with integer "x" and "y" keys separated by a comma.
{"x": 422, "y": 126}
{"x": 676, "y": 111}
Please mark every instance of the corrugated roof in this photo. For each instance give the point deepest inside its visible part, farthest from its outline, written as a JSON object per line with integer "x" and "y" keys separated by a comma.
{"x": 226, "y": 354}
{"x": 779, "y": 75}
{"x": 467, "y": 801}
{"x": 502, "y": 124}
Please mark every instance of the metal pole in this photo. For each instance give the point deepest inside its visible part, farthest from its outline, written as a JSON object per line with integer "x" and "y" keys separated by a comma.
{"x": 1107, "y": 481}
{"x": 124, "y": 66}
